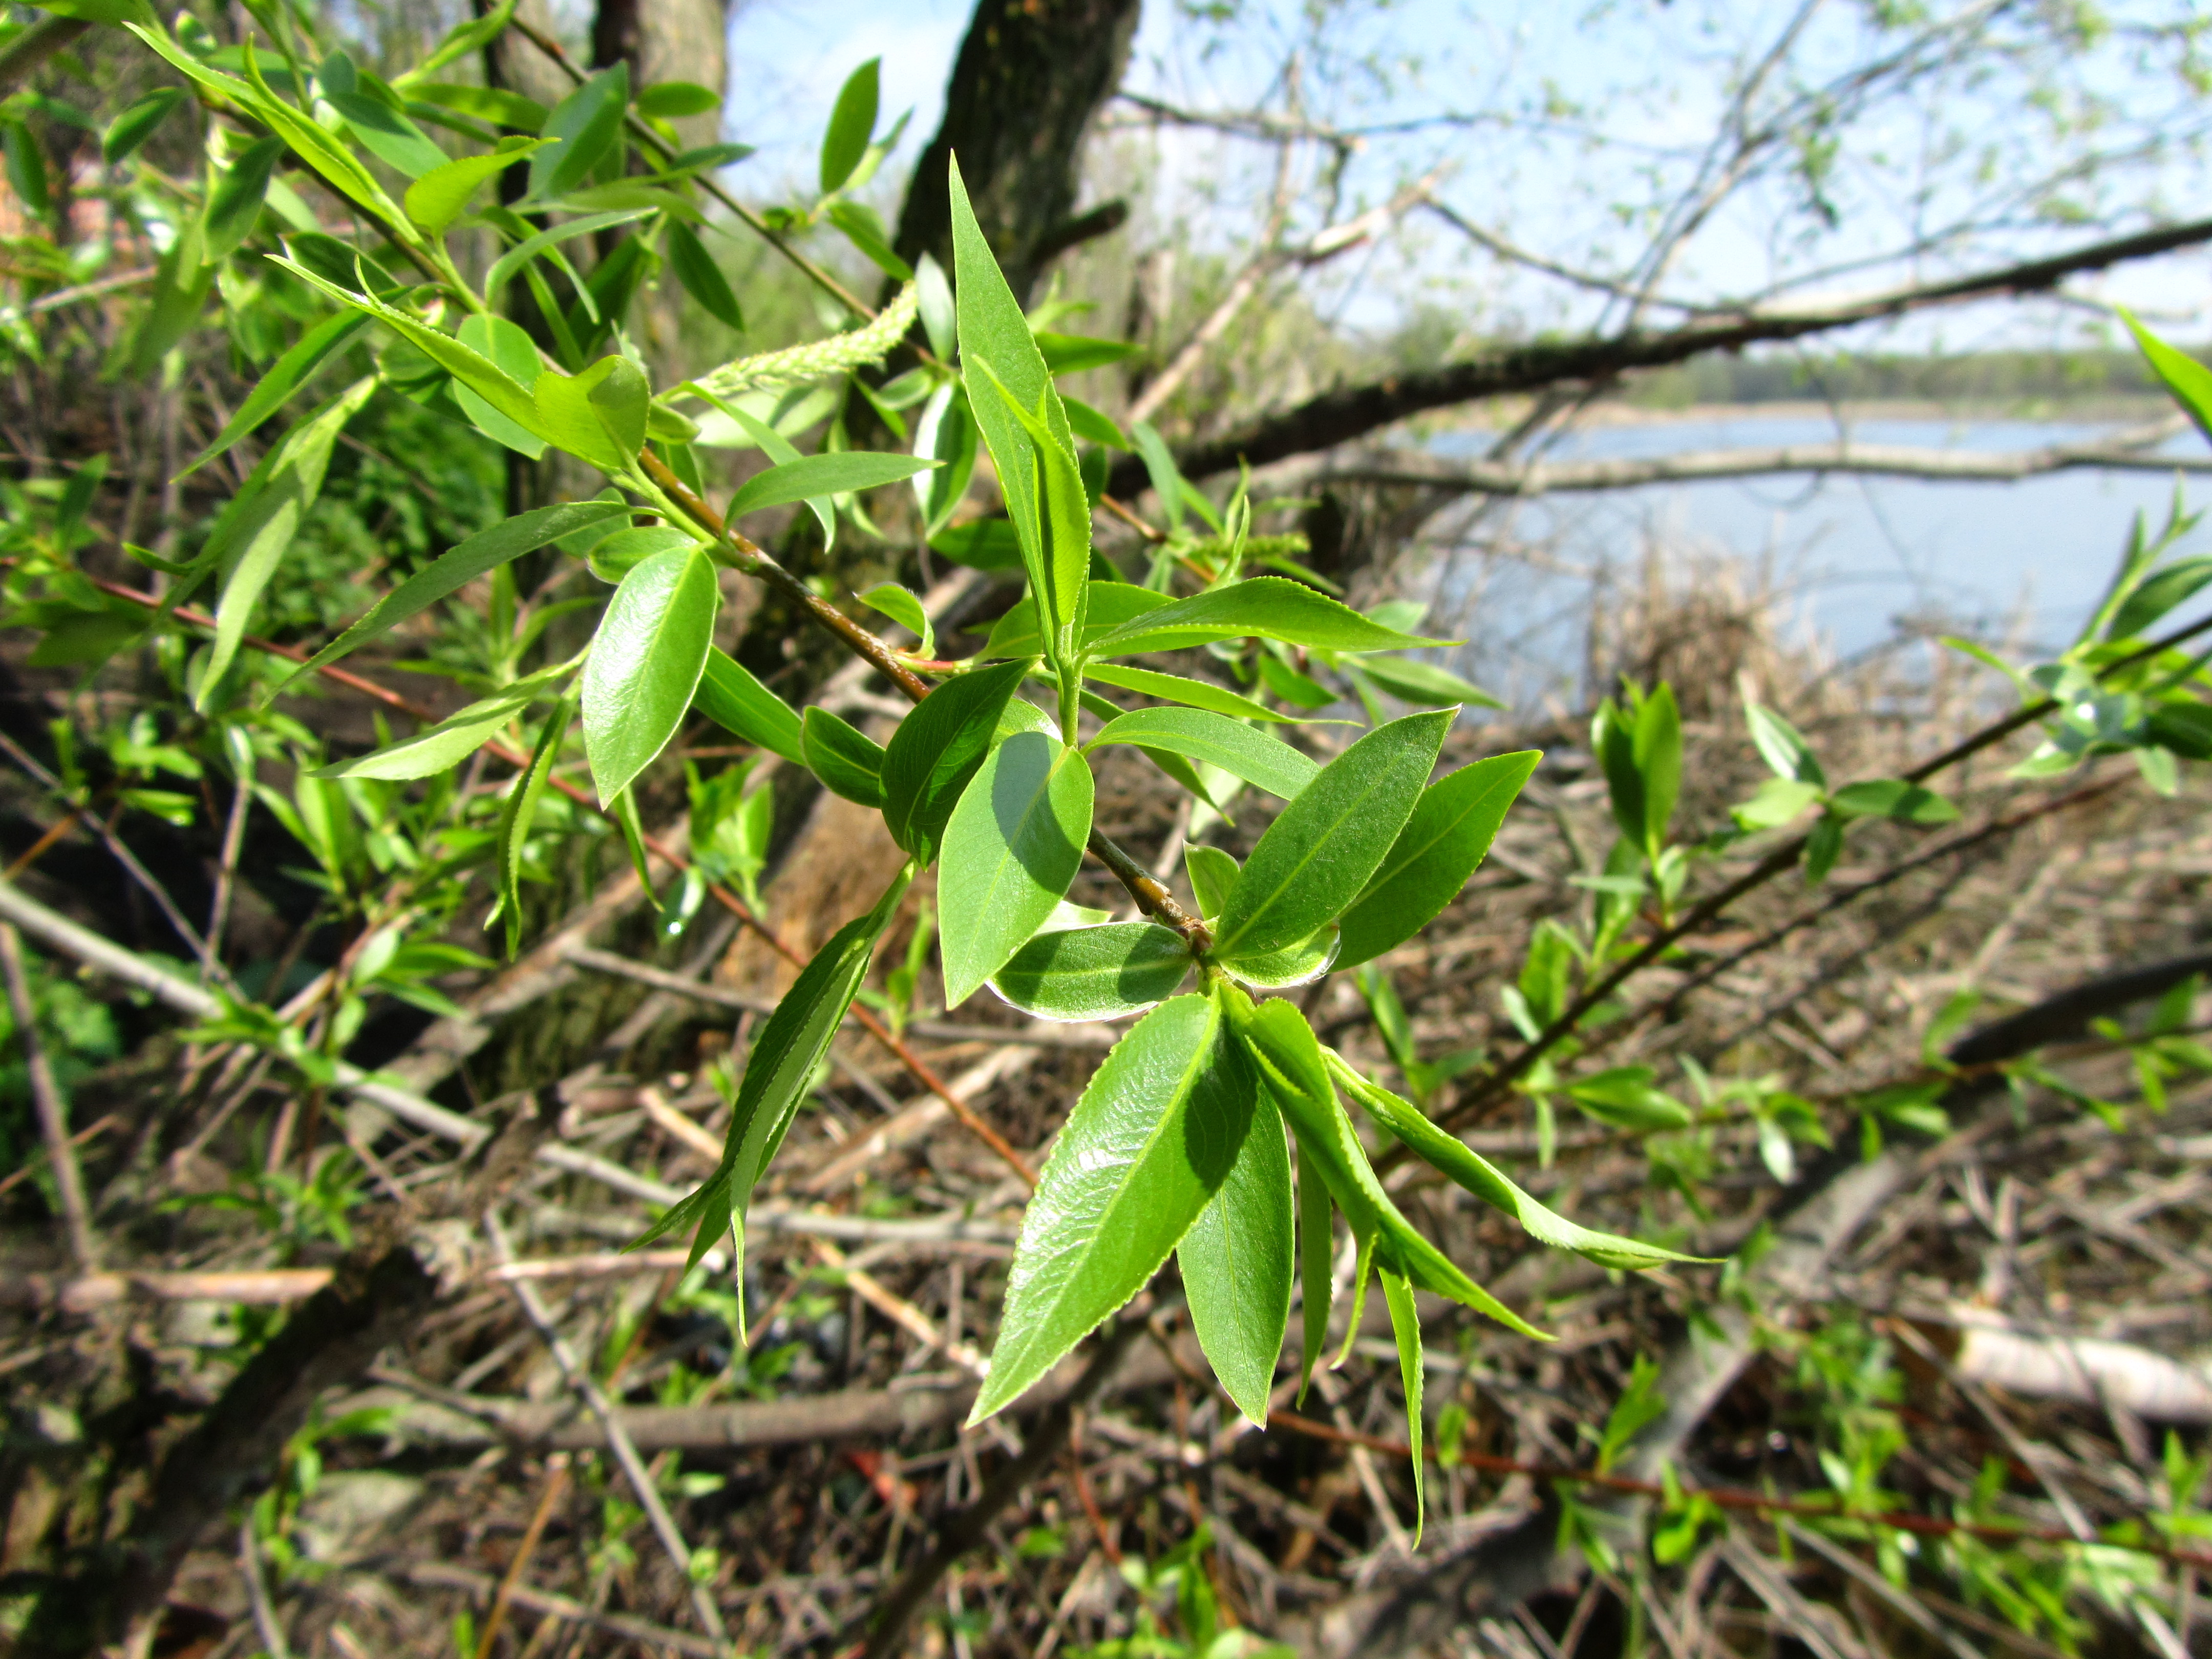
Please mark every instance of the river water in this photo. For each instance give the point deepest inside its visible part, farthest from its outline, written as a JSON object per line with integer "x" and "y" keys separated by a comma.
{"x": 1854, "y": 561}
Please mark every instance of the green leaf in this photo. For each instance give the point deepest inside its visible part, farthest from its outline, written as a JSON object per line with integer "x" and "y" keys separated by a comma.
{"x": 1175, "y": 687}
{"x": 1159, "y": 463}
{"x": 1294, "y": 964}
{"x": 1012, "y": 847}
{"x": 235, "y": 203}
{"x": 138, "y": 123}
{"x": 470, "y": 368}
{"x": 286, "y": 376}
{"x": 1411, "y": 680}
{"x": 836, "y": 473}
{"x": 1092, "y": 426}
{"x": 515, "y": 814}
{"x": 1095, "y": 973}
{"x": 1059, "y": 538}
{"x": 729, "y": 696}
{"x": 2158, "y": 594}
{"x": 1317, "y": 1267}
{"x": 1895, "y": 800}
{"x": 1774, "y": 802}
{"x": 852, "y": 123}
{"x": 1237, "y": 1260}
{"x": 509, "y": 346}
{"x": 1641, "y": 752}
{"x": 903, "y": 607}
{"x": 440, "y": 748}
{"x": 1266, "y": 607}
{"x": 1824, "y": 845}
{"x": 1442, "y": 844}
{"x": 587, "y": 123}
{"x": 182, "y": 283}
{"x": 388, "y": 135}
{"x": 1327, "y": 844}
{"x": 1624, "y": 1097}
{"x": 946, "y": 432}
{"x": 1448, "y": 1154}
{"x": 461, "y": 564}
{"x": 262, "y": 520}
{"x": 848, "y": 762}
{"x": 614, "y": 556}
{"x": 442, "y": 195}
{"x": 515, "y": 258}
{"x": 864, "y": 230}
{"x": 1213, "y": 874}
{"x": 1288, "y": 1058}
{"x": 1107, "y": 606}
{"x": 702, "y": 277}
{"x": 1406, "y": 1326}
{"x": 1299, "y": 690}
{"x": 2189, "y": 380}
{"x": 672, "y": 100}
{"x": 645, "y": 663}
{"x": 597, "y": 416}
{"x": 937, "y": 749}
{"x": 1782, "y": 747}
{"x": 781, "y": 1065}
{"x": 994, "y": 332}
{"x": 1199, "y": 734}
{"x": 1147, "y": 1146}
{"x": 470, "y": 35}
{"x": 494, "y": 105}
{"x": 779, "y": 451}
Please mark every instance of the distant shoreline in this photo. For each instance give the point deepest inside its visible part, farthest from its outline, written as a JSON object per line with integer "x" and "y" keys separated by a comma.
{"x": 2115, "y": 407}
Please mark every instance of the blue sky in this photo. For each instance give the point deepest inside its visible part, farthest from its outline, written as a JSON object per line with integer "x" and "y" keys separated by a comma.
{"x": 1650, "y": 79}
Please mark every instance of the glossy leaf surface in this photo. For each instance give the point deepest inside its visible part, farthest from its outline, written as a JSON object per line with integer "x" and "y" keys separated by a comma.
{"x": 1012, "y": 847}
{"x": 1266, "y": 607}
{"x": 1200, "y": 735}
{"x": 848, "y": 762}
{"x": 1237, "y": 1261}
{"x": 1095, "y": 973}
{"x": 937, "y": 749}
{"x": 645, "y": 663}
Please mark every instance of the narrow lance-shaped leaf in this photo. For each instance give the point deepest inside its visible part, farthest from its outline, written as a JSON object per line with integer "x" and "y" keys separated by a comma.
{"x": 1236, "y": 1262}
{"x": 515, "y": 814}
{"x": 1452, "y": 827}
{"x": 235, "y": 201}
{"x": 1149, "y": 1144}
{"x": 1175, "y": 687}
{"x": 597, "y": 416}
{"x": 588, "y": 122}
{"x": 848, "y": 762}
{"x": 1199, "y": 734}
{"x": 702, "y": 277}
{"x": 1063, "y": 520}
{"x": 440, "y": 747}
{"x": 1266, "y": 607}
{"x": 790, "y": 1046}
{"x": 1321, "y": 851}
{"x": 852, "y": 123}
{"x": 285, "y": 375}
{"x": 1012, "y": 847}
{"x": 1107, "y": 972}
{"x": 937, "y": 749}
{"x": 645, "y": 663}
{"x": 460, "y": 565}
{"x": 730, "y": 695}
{"x": 1316, "y": 1268}
{"x": 1405, "y": 1327}
{"x": 1447, "y": 1152}
{"x": 837, "y": 473}
{"x": 250, "y": 539}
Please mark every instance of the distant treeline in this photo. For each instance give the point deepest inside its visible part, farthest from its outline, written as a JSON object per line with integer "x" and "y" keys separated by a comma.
{"x": 2000, "y": 377}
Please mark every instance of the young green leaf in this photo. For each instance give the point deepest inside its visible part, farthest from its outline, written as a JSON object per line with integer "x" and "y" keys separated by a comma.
{"x": 1198, "y": 734}
{"x": 852, "y": 123}
{"x": 388, "y": 135}
{"x": 1015, "y": 384}
{"x": 673, "y": 100}
{"x": 1774, "y": 802}
{"x": 597, "y": 416}
{"x": 509, "y": 345}
{"x": 1106, "y": 606}
{"x": 317, "y": 347}
{"x": 515, "y": 814}
{"x": 1012, "y": 847}
{"x": 138, "y": 122}
{"x": 1212, "y": 873}
{"x": 2189, "y": 380}
{"x": 442, "y": 195}
{"x": 1641, "y": 751}
{"x": 702, "y": 277}
{"x": 1288, "y": 1058}
{"x": 1062, "y": 529}
{"x": 235, "y": 203}
{"x": 729, "y": 696}
{"x": 1159, "y": 462}
{"x": 1782, "y": 747}
{"x": 1317, "y": 1267}
{"x": 614, "y": 556}
{"x": 518, "y": 257}
{"x": 1625, "y": 1097}
{"x": 1300, "y": 963}
{"x": 836, "y": 473}
{"x": 849, "y": 762}
{"x": 1095, "y": 973}
{"x": 256, "y": 529}
{"x": 1175, "y": 687}
{"x": 777, "y": 1072}
{"x": 2156, "y": 595}
{"x": 1411, "y": 680}
{"x": 937, "y": 749}
{"x": 1299, "y": 690}
{"x": 1448, "y": 1154}
{"x": 1149, "y": 1144}
{"x": 1406, "y": 1326}
{"x": 439, "y": 748}
{"x": 461, "y": 564}
{"x": 1895, "y": 800}
{"x": 587, "y": 123}
{"x": 1237, "y": 1261}
{"x": 645, "y": 663}
{"x": 1266, "y": 607}
{"x": 1317, "y": 856}
{"x": 1442, "y": 844}
{"x": 941, "y": 321}
{"x": 903, "y": 607}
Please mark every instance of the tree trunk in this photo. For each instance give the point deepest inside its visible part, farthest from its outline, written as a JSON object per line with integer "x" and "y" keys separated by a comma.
{"x": 1030, "y": 76}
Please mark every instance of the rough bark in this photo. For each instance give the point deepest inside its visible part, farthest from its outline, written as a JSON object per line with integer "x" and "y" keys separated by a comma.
{"x": 667, "y": 41}
{"x": 1030, "y": 76}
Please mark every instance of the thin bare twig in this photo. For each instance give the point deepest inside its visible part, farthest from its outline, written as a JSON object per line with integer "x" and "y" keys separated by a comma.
{"x": 53, "y": 1110}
